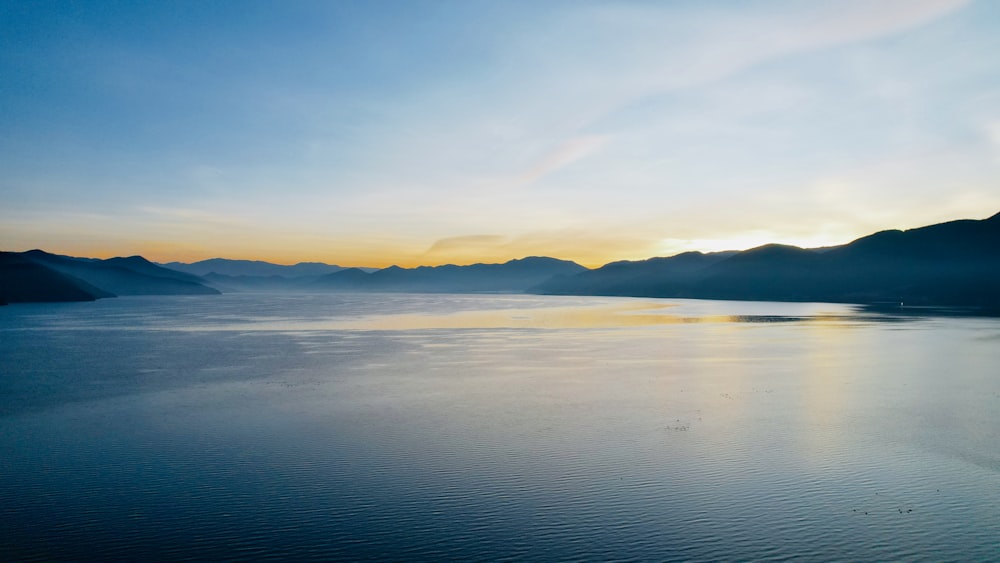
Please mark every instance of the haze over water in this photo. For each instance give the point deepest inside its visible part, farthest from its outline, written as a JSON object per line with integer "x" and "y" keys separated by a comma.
{"x": 487, "y": 427}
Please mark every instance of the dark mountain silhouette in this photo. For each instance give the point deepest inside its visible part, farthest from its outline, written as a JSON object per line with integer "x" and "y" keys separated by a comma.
{"x": 255, "y": 275}
{"x": 140, "y": 265}
{"x": 773, "y": 272}
{"x": 118, "y": 276}
{"x": 24, "y": 281}
{"x": 957, "y": 263}
{"x": 512, "y": 276}
{"x": 635, "y": 278}
{"x": 954, "y": 263}
{"x": 254, "y": 268}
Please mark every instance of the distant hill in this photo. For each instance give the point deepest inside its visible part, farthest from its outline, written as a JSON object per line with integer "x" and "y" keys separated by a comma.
{"x": 40, "y": 276}
{"x": 24, "y": 281}
{"x": 350, "y": 279}
{"x": 255, "y": 268}
{"x": 641, "y": 278}
{"x": 954, "y": 263}
{"x": 512, "y": 276}
{"x": 124, "y": 276}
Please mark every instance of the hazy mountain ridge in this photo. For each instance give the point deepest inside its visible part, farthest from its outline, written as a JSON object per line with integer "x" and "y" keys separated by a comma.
{"x": 25, "y": 281}
{"x": 512, "y": 276}
{"x": 640, "y": 278}
{"x": 252, "y": 268}
{"x": 953, "y": 263}
{"x": 38, "y": 276}
{"x": 256, "y": 275}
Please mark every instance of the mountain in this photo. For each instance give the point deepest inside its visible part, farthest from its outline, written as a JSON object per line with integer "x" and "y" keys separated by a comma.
{"x": 54, "y": 276}
{"x": 953, "y": 263}
{"x": 124, "y": 276}
{"x": 140, "y": 265}
{"x": 635, "y": 278}
{"x": 512, "y": 276}
{"x": 350, "y": 279}
{"x": 255, "y": 268}
{"x": 773, "y": 272}
{"x": 24, "y": 281}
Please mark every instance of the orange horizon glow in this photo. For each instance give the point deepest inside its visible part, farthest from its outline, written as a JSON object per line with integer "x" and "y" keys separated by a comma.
{"x": 751, "y": 129}
{"x": 292, "y": 259}
{"x": 595, "y": 258}
{"x": 581, "y": 246}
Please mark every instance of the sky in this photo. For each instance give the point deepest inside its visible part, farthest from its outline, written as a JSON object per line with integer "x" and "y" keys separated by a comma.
{"x": 378, "y": 132}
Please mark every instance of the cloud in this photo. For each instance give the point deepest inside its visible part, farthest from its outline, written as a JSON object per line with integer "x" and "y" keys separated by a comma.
{"x": 587, "y": 246}
{"x": 568, "y": 152}
{"x": 597, "y": 60}
{"x": 189, "y": 216}
{"x": 860, "y": 20}
{"x": 629, "y": 112}
{"x": 468, "y": 244}
{"x": 991, "y": 131}
{"x": 590, "y": 247}
{"x": 567, "y": 81}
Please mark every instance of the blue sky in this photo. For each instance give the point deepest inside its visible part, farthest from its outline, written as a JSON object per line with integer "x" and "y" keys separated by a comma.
{"x": 378, "y": 132}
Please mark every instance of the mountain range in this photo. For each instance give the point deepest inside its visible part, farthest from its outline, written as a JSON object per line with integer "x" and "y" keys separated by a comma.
{"x": 37, "y": 276}
{"x": 253, "y": 268}
{"x": 954, "y": 263}
{"x": 255, "y": 275}
{"x": 513, "y": 276}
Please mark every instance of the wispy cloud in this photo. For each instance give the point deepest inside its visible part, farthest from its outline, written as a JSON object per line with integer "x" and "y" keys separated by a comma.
{"x": 589, "y": 247}
{"x": 991, "y": 131}
{"x": 185, "y": 214}
{"x": 568, "y": 152}
{"x": 567, "y": 129}
{"x": 465, "y": 245}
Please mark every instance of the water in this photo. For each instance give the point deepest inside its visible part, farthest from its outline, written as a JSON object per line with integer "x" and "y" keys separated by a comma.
{"x": 430, "y": 427}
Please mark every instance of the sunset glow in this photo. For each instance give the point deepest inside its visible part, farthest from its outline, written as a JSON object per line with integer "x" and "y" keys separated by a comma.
{"x": 379, "y": 133}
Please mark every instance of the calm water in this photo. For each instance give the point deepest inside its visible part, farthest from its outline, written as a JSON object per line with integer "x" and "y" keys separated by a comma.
{"x": 415, "y": 427}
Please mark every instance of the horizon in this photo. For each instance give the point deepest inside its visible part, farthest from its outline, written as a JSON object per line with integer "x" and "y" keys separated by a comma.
{"x": 482, "y": 262}
{"x": 372, "y": 134}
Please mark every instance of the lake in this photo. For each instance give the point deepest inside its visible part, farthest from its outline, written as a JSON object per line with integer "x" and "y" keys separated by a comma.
{"x": 489, "y": 427}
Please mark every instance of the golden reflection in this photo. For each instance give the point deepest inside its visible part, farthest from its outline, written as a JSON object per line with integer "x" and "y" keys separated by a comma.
{"x": 598, "y": 316}
{"x": 824, "y": 385}
{"x": 608, "y": 314}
